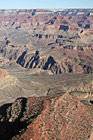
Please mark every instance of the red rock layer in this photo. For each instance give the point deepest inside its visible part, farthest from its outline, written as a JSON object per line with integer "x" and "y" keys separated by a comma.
{"x": 3, "y": 73}
{"x": 47, "y": 118}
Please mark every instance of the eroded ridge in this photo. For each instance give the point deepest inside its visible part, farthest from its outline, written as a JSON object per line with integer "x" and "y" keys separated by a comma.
{"x": 56, "y": 117}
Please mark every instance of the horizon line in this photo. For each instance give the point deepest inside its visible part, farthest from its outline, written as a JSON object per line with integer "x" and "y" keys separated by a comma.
{"x": 41, "y": 8}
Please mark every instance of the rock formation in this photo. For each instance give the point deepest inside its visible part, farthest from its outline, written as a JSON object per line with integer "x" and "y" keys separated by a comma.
{"x": 65, "y": 36}
{"x": 56, "y": 117}
{"x": 51, "y": 63}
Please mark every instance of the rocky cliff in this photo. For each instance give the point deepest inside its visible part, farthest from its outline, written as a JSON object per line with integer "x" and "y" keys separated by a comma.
{"x": 56, "y": 117}
{"x": 36, "y": 60}
{"x": 64, "y": 37}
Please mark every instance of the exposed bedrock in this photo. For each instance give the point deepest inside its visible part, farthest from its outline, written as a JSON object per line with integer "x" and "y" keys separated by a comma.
{"x": 46, "y": 117}
{"x": 50, "y": 63}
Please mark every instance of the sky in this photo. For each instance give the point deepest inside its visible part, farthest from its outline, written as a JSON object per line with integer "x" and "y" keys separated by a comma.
{"x": 42, "y": 4}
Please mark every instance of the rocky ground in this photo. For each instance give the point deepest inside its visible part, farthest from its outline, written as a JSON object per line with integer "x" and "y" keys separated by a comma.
{"x": 58, "y": 117}
{"x": 62, "y": 111}
{"x": 17, "y": 82}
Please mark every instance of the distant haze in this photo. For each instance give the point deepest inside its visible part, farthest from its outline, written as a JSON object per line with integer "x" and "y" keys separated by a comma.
{"x": 42, "y": 4}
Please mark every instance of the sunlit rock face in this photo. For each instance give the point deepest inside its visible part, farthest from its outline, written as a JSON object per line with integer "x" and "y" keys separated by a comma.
{"x": 47, "y": 117}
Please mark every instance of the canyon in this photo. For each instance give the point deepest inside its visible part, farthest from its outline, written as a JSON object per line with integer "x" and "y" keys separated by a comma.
{"x": 46, "y": 74}
{"x": 60, "y": 41}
